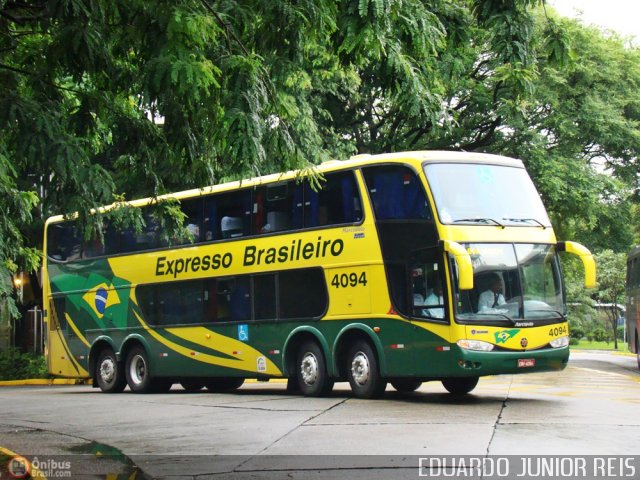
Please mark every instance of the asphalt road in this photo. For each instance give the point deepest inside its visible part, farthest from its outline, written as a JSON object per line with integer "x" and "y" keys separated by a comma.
{"x": 591, "y": 408}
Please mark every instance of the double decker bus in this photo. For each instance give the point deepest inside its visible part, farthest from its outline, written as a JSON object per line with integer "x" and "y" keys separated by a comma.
{"x": 402, "y": 268}
{"x": 633, "y": 302}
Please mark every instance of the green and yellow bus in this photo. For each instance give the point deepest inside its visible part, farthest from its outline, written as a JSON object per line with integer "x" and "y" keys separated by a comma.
{"x": 401, "y": 268}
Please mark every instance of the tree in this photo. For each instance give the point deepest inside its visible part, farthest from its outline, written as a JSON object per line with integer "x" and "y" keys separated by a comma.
{"x": 611, "y": 286}
{"x": 101, "y": 99}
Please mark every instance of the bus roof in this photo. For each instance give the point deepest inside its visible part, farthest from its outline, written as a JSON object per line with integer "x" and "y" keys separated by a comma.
{"x": 416, "y": 157}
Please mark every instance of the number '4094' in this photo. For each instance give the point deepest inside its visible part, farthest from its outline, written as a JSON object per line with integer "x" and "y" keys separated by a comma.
{"x": 349, "y": 280}
{"x": 555, "y": 331}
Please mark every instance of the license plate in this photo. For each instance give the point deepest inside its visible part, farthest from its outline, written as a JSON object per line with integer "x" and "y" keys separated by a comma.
{"x": 526, "y": 362}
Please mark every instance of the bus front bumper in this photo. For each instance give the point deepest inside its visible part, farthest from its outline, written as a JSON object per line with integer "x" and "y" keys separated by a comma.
{"x": 476, "y": 363}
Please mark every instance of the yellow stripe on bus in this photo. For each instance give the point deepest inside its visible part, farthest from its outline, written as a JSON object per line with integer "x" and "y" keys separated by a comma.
{"x": 248, "y": 358}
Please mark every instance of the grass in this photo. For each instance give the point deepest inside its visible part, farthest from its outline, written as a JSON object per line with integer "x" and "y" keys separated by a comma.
{"x": 585, "y": 344}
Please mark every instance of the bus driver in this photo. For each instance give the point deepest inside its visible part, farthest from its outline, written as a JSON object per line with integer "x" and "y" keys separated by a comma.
{"x": 492, "y": 297}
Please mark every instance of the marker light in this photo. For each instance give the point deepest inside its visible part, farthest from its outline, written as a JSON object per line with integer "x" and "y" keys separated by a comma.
{"x": 560, "y": 342}
{"x": 475, "y": 345}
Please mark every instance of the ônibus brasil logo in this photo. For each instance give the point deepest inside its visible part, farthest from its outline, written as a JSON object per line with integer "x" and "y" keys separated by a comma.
{"x": 19, "y": 467}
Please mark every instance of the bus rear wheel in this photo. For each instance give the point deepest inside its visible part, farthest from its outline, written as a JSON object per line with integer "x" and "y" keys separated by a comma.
{"x": 313, "y": 378}
{"x": 137, "y": 371}
{"x": 223, "y": 384}
{"x": 406, "y": 385}
{"x": 108, "y": 372}
{"x": 460, "y": 386}
{"x": 363, "y": 372}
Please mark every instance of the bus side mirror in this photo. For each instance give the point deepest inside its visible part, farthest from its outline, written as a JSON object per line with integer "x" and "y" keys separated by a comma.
{"x": 587, "y": 260}
{"x": 463, "y": 260}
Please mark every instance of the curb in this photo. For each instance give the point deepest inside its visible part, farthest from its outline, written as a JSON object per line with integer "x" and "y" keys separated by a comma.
{"x": 73, "y": 381}
{"x": 40, "y": 381}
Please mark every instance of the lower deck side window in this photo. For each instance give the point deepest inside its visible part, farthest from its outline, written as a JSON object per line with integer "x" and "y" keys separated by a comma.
{"x": 292, "y": 294}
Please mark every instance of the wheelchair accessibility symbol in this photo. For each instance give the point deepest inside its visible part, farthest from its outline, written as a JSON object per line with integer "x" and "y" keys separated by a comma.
{"x": 243, "y": 333}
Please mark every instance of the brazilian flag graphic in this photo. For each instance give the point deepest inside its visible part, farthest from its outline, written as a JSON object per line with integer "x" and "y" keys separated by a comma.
{"x": 96, "y": 298}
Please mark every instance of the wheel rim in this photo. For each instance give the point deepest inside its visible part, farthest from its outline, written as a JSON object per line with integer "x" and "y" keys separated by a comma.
{"x": 309, "y": 368}
{"x": 360, "y": 369}
{"x": 138, "y": 369}
{"x": 107, "y": 370}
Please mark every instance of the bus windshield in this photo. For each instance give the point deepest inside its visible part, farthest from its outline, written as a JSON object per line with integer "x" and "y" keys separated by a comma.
{"x": 512, "y": 282}
{"x": 485, "y": 194}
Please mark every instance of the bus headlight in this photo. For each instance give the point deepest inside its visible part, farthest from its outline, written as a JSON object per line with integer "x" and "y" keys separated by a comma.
{"x": 559, "y": 342}
{"x": 475, "y": 345}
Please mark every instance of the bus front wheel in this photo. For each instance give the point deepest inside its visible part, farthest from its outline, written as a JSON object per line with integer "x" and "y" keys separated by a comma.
{"x": 108, "y": 372}
{"x": 137, "y": 371}
{"x": 363, "y": 372}
{"x": 460, "y": 386}
{"x": 313, "y": 378}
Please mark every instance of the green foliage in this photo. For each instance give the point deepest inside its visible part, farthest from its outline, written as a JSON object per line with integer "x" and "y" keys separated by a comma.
{"x": 15, "y": 365}
{"x": 598, "y": 335}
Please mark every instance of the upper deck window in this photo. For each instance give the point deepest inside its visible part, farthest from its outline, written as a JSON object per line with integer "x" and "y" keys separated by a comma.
{"x": 485, "y": 194}
{"x": 396, "y": 193}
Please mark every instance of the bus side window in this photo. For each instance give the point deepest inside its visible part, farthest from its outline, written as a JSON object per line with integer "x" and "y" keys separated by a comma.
{"x": 396, "y": 193}
{"x": 193, "y": 209}
{"x": 264, "y": 297}
{"x": 63, "y": 242}
{"x": 302, "y": 293}
{"x": 336, "y": 202}
{"x": 231, "y": 216}
{"x": 233, "y": 299}
{"x": 274, "y": 208}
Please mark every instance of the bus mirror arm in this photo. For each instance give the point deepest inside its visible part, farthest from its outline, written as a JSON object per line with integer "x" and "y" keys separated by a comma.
{"x": 463, "y": 260}
{"x": 585, "y": 255}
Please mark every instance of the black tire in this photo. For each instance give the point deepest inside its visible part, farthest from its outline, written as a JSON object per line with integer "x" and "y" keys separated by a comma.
{"x": 363, "y": 372}
{"x": 460, "y": 386}
{"x": 312, "y": 375}
{"x": 137, "y": 371}
{"x": 109, "y": 373}
{"x": 223, "y": 384}
{"x": 293, "y": 387}
{"x": 638, "y": 350}
{"x": 192, "y": 384}
{"x": 406, "y": 385}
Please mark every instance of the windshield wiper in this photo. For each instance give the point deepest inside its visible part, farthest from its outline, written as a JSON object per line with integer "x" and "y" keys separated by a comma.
{"x": 525, "y": 220}
{"x": 546, "y": 310}
{"x": 479, "y": 220}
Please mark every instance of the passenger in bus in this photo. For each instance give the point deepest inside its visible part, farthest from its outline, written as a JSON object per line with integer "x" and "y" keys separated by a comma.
{"x": 492, "y": 297}
{"x": 435, "y": 298}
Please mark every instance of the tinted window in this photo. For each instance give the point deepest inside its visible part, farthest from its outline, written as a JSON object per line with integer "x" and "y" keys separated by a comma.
{"x": 335, "y": 203}
{"x": 277, "y": 208}
{"x": 63, "y": 242}
{"x": 264, "y": 291}
{"x": 174, "y": 303}
{"x": 285, "y": 295}
{"x": 193, "y": 209}
{"x": 396, "y": 193}
{"x": 227, "y": 215}
{"x": 302, "y": 293}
